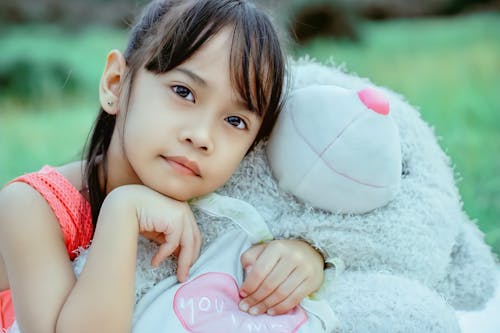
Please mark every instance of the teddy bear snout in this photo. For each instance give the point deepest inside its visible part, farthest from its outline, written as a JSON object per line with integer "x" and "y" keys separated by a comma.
{"x": 374, "y": 100}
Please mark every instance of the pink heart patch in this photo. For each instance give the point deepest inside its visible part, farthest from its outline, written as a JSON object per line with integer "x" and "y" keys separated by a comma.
{"x": 209, "y": 304}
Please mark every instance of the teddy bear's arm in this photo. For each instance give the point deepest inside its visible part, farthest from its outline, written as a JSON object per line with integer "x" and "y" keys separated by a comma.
{"x": 406, "y": 247}
{"x": 380, "y": 302}
{"x": 468, "y": 283}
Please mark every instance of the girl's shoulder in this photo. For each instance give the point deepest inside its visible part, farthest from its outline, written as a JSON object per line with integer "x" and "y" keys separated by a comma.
{"x": 73, "y": 173}
{"x": 50, "y": 196}
{"x": 39, "y": 185}
{"x": 22, "y": 207}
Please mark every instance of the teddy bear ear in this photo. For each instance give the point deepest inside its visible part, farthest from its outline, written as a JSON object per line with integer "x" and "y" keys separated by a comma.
{"x": 337, "y": 149}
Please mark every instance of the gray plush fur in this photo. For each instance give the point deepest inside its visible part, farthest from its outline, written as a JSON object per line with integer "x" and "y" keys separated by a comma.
{"x": 408, "y": 265}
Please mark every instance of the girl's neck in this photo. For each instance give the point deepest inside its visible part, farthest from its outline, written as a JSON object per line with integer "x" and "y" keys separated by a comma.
{"x": 115, "y": 170}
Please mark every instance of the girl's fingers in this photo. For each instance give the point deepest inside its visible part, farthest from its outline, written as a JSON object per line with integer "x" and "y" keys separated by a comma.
{"x": 172, "y": 236}
{"x": 157, "y": 237}
{"x": 183, "y": 240}
{"x": 249, "y": 257}
{"x": 283, "y": 292}
{"x": 302, "y": 291}
{"x": 187, "y": 255}
{"x": 260, "y": 269}
{"x": 164, "y": 251}
{"x": 278, "y": 277}
{"x": 197, "y": 242}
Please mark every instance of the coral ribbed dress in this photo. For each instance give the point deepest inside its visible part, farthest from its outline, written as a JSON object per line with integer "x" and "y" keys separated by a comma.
{"x": 73, "y": 213}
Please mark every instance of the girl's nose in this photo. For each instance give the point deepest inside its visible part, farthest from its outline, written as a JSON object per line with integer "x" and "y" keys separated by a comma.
{"x": 199, "y": 136}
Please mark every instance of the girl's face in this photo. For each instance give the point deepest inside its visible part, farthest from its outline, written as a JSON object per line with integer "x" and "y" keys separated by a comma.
{"x": 186, "y": 130}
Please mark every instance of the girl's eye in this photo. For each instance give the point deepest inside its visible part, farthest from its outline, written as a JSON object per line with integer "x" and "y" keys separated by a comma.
{"x": 236, "y": 122}
{"x": 183, "y": 92}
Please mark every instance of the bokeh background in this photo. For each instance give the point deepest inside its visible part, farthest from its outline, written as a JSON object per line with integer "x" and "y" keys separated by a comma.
{"x": 442, "y": 55}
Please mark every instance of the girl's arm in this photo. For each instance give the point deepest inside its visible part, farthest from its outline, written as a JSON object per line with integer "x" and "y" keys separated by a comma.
{"x": 104, "y": 291}
{"x": 46, "y": 295}
{"x": 35, "y": 256}
{"x": 102, "y": 299}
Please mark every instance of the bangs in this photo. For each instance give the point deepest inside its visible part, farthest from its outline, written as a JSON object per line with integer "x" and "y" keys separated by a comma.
{"x": 256, "y": 64}
{"x": 182, "y": 27}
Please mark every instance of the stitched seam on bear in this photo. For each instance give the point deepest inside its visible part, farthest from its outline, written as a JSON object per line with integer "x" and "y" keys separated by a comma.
{"x": 320, "y": 154}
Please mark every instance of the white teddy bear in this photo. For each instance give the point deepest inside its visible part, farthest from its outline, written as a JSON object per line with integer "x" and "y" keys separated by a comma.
{"x": 409, "y": 264}
{"x": 374, "y": 192}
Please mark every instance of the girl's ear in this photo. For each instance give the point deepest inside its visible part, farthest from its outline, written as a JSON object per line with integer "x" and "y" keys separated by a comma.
{"x": 109, "y": 87}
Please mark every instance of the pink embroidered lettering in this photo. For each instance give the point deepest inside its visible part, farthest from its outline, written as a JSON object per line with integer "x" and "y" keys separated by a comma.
{"x": 209, "y": 304}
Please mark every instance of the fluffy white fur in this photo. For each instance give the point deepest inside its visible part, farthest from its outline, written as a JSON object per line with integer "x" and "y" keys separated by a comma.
{"x": 408, "y": 265}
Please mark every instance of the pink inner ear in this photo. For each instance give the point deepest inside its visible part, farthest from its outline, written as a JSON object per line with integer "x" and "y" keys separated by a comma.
{"x": 374, "y": 100}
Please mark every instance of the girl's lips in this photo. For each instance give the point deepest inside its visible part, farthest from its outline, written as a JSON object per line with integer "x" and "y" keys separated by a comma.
{"x": 183, "y": 165}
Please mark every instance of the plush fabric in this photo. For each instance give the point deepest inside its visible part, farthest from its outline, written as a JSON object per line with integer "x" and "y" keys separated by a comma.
{"x": 337, "y": 149}
{"x": 407, "y": 265}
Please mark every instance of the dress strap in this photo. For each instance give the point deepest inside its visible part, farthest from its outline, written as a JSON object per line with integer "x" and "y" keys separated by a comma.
{"x": 7, "y": 316}
{"x": 72, "y": 210}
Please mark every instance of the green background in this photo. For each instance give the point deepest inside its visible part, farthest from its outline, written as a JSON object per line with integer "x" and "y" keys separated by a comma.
{"x": 448, "y": 67}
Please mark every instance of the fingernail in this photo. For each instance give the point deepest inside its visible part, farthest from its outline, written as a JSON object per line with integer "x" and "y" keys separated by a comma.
{"x": 243, "y": 306}
{"x": 248, "y": 269}
{"x": 254, "y": 311}
{"x": 271, "y": 312}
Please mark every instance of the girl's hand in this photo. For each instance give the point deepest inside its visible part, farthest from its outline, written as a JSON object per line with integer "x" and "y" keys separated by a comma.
{"x": 279, "y": 275}
{"x": 171, "y": 224}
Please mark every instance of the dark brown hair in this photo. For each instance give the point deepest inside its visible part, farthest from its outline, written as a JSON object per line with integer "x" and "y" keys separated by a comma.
{"x": 171, "y": 31}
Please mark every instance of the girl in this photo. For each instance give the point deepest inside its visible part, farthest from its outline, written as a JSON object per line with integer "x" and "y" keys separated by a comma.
{"x": 198, "y": 85}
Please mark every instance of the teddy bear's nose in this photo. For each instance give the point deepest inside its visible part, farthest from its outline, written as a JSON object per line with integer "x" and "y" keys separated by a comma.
{"x": 374, "y": 100}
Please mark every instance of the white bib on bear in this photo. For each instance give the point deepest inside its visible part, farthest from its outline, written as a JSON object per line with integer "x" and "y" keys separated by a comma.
{"x": 208, "y": 301}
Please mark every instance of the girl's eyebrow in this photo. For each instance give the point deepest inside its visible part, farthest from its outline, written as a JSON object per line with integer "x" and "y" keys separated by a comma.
{"x": 198, "y": 79}
{"x": 195, "y": 77}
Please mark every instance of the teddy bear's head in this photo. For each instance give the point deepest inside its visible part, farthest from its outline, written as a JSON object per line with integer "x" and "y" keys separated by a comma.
{"x": 337, "y": 149}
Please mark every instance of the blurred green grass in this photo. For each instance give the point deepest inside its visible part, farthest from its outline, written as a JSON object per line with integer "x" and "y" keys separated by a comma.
{"x": 81, "y": 52}
{"x": 449, "y": 68}
{"x": 48, "y": 122}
